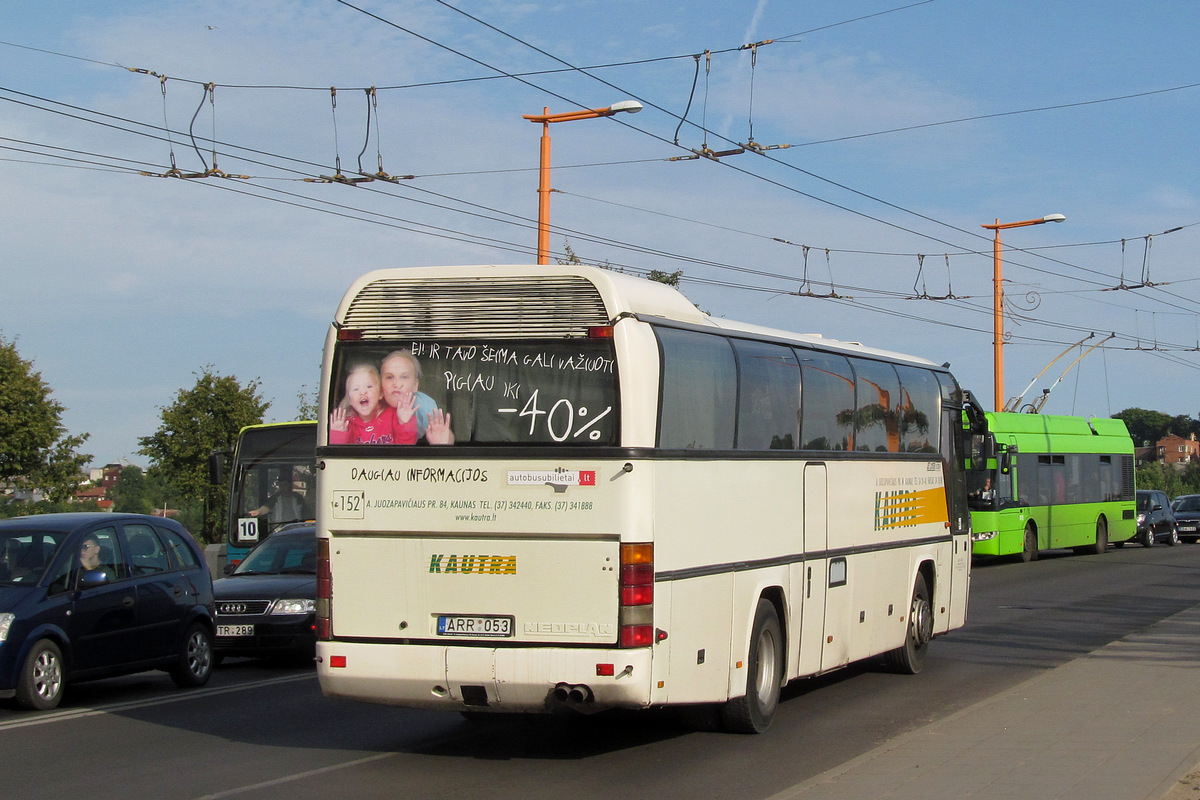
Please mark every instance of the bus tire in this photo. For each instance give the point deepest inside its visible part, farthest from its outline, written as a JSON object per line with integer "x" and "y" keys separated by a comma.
{"x": 1029, "y": 549}
{"x": 754, "y": 710}
{"x": 1101, "y": 545}
{"x": 910, "y": 657}
{"x": 40, "y": 684}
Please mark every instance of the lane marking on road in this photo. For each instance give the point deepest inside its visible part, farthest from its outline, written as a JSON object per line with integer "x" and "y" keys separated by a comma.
{"x": 69, "y": 714}
{"x": 297, "y": 777}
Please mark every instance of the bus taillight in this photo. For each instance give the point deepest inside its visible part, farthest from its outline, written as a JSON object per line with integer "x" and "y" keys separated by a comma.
{"x": 637, "y": 595}
{"x": 324, "y": 592}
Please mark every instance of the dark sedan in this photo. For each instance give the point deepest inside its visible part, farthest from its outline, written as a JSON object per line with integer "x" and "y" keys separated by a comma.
{"x": 265, "y": 607}
{"x": 1187, "y": 516}
{"x": 92, "y": 595}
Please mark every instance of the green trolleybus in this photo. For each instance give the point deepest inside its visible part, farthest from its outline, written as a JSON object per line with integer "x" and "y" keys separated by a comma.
{"x": 1038, "y": 482}
{"x": 270, "y": 482}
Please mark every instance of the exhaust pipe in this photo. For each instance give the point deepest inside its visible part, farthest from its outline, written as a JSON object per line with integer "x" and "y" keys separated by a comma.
{"x": 573, "y": 693}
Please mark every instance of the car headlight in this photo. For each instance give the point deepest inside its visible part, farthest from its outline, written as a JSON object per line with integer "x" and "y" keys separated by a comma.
{"x": 1141, "y": 519}
{"x": 6, "y": 621}
{"x": 294, "y": 606}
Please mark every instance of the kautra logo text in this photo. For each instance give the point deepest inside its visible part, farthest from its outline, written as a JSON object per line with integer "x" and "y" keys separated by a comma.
{"x": 445, "y": 564}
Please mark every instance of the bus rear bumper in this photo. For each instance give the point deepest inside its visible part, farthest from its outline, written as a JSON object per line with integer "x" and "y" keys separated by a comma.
{"x": 533, "y": 680}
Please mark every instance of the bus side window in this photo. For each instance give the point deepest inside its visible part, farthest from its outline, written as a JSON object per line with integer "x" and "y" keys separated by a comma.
{"x": 876, "y": 416}
{"x": 827, "y": 421}
{"x": 699, "y": 391}
{"x": 768, "y": 397}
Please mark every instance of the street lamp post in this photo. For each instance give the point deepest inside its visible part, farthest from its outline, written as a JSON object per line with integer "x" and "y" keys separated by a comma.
{"x": 998, "y": 299}
{"x": 629, "y": 106}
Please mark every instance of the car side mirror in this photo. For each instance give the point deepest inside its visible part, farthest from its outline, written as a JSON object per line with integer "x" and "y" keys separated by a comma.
{"x": 92, "y": 578}
{"x": 229, "y": 568}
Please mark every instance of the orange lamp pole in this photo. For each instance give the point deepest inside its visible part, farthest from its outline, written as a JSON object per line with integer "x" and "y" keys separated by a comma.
{"x": 998, "y": 299}
{"x": 629, "y": 106}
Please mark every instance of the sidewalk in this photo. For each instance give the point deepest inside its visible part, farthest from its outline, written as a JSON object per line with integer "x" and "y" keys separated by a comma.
{"x": 1120, "y": 723}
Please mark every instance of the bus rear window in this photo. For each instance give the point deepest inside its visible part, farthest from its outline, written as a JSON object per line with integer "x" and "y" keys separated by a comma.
{"x": 538, "y": 392}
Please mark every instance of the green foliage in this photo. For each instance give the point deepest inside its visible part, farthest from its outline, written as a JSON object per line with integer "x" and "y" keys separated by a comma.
{"x": 20, "y": 508}
{"x": 306, "y": 404}
{"x": 1191, "y": 478}
{"x": 1185, "y": 426}
{"x": 131, "y": 492}
{"x": 1174, "y": 482}
{"x": 1146, "y": 427}
{"x": 202, "y": 419}
{"x": 35, "y": 450}
{"x": 1155, "y": 475}
{"x": 669, "y": 278}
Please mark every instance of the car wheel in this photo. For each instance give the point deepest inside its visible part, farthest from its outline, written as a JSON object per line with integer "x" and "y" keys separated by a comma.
{"x": 196, "y": 657}
{"x": 1173, "y": 538}
{"x": 1147, "y": 538}
{"x": 40, "y": 685}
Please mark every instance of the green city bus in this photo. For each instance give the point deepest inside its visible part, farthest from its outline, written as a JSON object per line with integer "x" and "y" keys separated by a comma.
{"x": 271, "y": 473}
{"x": 1039, "y": 482}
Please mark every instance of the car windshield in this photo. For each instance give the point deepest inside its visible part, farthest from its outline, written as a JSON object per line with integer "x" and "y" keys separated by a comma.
{"x": 1144, "y": 501}
{"x": 25, "y": 555}
{"x": 1191, "y": 503}
{"x": 292, "y": 553}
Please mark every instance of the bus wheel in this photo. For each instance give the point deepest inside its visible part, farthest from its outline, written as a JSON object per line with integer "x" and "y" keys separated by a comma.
{"x": 910, "y": 657}
{"x": 1101, "y": 536}
{"x": 1030, "y": 551}
{"x": 753, "y": 711}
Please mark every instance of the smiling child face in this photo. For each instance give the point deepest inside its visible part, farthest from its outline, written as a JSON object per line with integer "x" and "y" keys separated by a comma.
{"x": 363, "y": 392}
{"x": 399, "y": 378}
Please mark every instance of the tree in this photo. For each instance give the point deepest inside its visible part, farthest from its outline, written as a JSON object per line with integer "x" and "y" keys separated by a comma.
{"x": 1191, "y": 478}
{"x": 131, "y": 492}
{"x": 35, "y": 448}
{"x": 202, "y": 419}
{"x": 1146, "y": 427}
{"x": 1185, "y": 426}
{"x": 1156, "y": 475}
{"x": 306, "y": 404}
{"x": 669, "y": 278}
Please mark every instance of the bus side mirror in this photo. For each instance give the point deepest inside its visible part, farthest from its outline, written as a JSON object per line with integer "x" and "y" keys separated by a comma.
{"x": 216, "y": 467}
{"x": 1006, "y": 462}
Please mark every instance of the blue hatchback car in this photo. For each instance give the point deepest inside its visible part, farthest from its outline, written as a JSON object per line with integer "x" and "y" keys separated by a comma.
{"x": 92, "y": 595}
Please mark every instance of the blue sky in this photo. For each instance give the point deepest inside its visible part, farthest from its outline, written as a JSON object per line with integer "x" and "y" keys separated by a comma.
{"x": 910, "y": 124}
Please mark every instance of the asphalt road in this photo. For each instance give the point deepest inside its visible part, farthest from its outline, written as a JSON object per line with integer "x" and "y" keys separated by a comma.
{"x": 264, "y": 731}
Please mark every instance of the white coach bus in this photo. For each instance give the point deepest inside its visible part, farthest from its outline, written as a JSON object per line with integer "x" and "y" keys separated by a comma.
{"x": 610, "y": 499}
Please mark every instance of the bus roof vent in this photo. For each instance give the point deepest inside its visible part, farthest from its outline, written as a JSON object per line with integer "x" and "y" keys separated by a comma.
{"x": 519, "y": 307}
